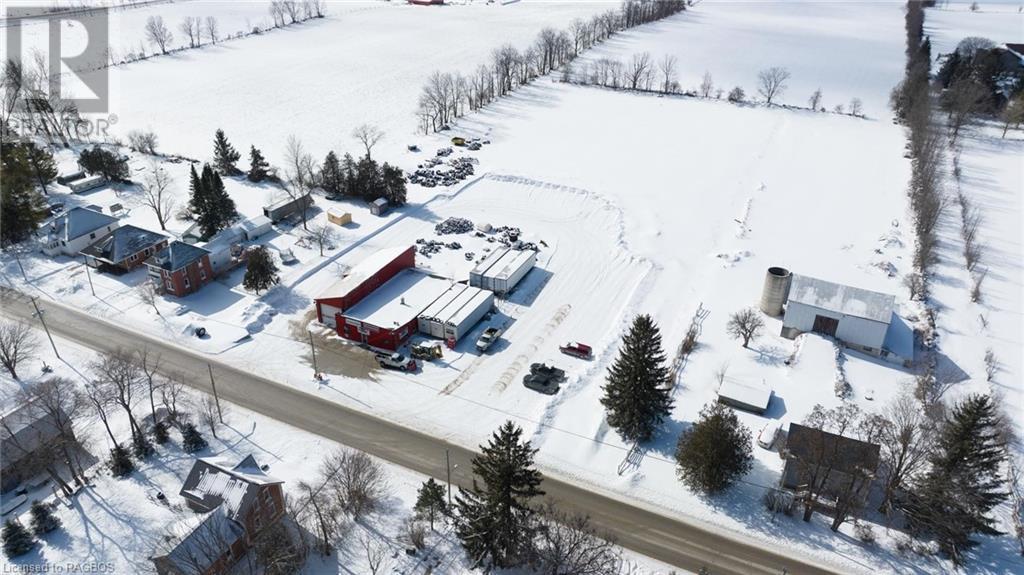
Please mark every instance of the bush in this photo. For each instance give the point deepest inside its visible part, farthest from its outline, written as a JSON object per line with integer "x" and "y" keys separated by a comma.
{"x": 141, "y": 447}
{"x": 737, "y": 95}
{"x": 160, "y": 434}
{"x": 17, "y": 539}
{"x": 142, "y": 141}
{"x": 121, "y": 463}
{"x": 43, "y": 519}
{"x": 715, "y": 451}
{"x": 864, "y": 532}
{"x": 778, "y": 501}
{"x": 192, "y": 440}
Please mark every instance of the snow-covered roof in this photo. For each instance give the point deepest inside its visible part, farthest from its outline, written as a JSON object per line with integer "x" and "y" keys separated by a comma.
{"x": 177, "y": 255}
{"x": 123, "y": 242}
{"x": 224, "y": 239}
{"x": 379, "y": 202}
{"x": 76, "y": 223}
{"x": 363, "y": 271}
{"x": 745, "y": 391}
{"x": 202, "y": 540}
{"x": 841, "y": 298}
{"x": 399, "y": 301}
{"x": 254, "y": 223}
{"x": 213, "y": 482}
{"x": 24, "y": 429}
{"x": 457, "y": 302}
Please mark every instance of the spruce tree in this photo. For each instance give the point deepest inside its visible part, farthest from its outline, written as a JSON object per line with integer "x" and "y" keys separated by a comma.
{"x": 192, "y": 440}
{"x": 22, "y": 207}
{"x": 953, "y": 500}
{"x": 257, "y": 166}
{"x": 495, "y": 523}
{"x": 260, "y": 271}
{"x": 43, "y": 165}
{"x": 332, "y": 179}
{"x": 222, "y": 202}
{"x": 43, "y": 519}
{"x": 430, "y": 501}
{"x": 393, "y": 181}
{"x": 121, "y": 464}
{"x": 17, "y": 539}
{"x": 715, "y": 451}
{"x": 224, "y": 155}
{"x": 197, "y": 195}
{"x": 348, "y": 170}
{"x": 636, "y": 396}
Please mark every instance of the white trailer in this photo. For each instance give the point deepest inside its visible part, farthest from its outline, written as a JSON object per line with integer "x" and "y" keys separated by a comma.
{"x": 502, "y": 270}
{"x": 86, "y": 184}
{"x": 455, "y": 312}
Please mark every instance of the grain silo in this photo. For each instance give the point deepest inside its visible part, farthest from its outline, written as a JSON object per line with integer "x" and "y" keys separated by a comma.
{"x": 776, "y": 290}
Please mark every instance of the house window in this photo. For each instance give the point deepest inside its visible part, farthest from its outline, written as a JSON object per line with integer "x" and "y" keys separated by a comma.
{"x": 170, "y": 286}
{"x": 187, "y": 283}
{"x": 202, "y": 274}
{"x": 92, "y": 236}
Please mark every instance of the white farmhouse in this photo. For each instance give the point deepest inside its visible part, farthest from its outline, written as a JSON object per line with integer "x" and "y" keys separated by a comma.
{"x": 861, "y": 319}
{"x": 74, "y": 230}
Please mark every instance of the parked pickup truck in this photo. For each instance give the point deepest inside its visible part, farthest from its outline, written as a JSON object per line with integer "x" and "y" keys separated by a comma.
{"x": 577, "y": 349}
{"x": 487, "y": 338}
{"x": 548, "y": 371}
{"x": 396, "y": 361}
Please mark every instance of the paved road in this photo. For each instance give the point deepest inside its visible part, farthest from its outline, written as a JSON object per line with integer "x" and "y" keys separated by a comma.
{"x": 639, "y": 529}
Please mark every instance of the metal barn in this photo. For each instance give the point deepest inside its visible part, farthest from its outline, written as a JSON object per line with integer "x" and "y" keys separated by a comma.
{"x": 857, "y": 317}
{"x": 502, "y": 270}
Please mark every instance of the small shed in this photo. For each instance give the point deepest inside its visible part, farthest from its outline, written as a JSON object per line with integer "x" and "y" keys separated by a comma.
{"x": 379, "y": 207}
{"x": 287, "y": 207}
{"x": 254, "y": 227}
{"x": 744, "y": 394}
{"x": 338, "y": 217}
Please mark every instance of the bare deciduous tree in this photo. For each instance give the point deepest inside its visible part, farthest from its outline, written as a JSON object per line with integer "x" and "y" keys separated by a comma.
{"x": 906, "y": 441}
{"x": 212, "y": 29}
{"x": 745, "y": 324}
{"x": 18, "y": 344}
{"x": 149, "y": 294}
{"x": 962, "y": 101}
{"x": 357, "y": 481}
{"x": 771, "y": 83}
{"x": 157, "y": 33}
{"x": 814, "y": 102}
{"x": 64, "y": 405}
{"x": 707, "y": 85}
{"x": 301, "y": 173}
{"x": 322, "y": 235}
{"x": 856, "y": 107}
{"x": 317, "y": 510}
{"x": 121, "y": 382}
{"x": 569, "y": 544}
{"x": 209, "y": 414}
{"x": 144, "y": 141}
{"x": 157, "y": 196}
{"x": 667, "y": 68}
{"x": 377, "y": 560}
{"x": 368, "y": 135}
{"x": 190, "y": 27}
{"x": 639, "y": 67}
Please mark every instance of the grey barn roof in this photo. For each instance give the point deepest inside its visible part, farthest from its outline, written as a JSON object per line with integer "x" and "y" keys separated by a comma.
{"x": 177, "y": 255}
{"x": 76, "y": 223}
{"x": 844, "y": 454}
{"x": 121, "y": 243}
{"x": 203, "y": 539}
{"x": 843, "y": 299}
{"x": 212, "y": 483}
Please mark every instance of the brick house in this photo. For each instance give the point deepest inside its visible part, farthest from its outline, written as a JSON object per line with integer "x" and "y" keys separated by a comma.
{"x": 238, "y": 503}
{"x": 180, "y": 268}
{"x": 837, "y": 465}
{"x": 124, "y": 249}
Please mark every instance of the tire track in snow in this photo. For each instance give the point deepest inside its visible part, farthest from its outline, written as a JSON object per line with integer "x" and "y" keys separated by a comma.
{"x": 523, "y": 358}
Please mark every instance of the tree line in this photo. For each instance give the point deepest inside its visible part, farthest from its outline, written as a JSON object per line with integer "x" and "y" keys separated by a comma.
{"x": 447, "y": 96}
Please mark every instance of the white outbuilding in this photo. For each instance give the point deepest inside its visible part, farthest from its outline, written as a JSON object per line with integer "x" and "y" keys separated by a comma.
{"x": 860, "y": 319}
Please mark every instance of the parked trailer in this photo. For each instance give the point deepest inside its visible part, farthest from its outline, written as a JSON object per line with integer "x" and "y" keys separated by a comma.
{"x": 502, "y": 270}
{"x": 455, "y": 312}
{"x": 86, "y": 184}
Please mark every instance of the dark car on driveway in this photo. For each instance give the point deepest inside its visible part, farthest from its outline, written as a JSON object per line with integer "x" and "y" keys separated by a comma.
{"x": 548, "y": 371}
{"x": 541, "y": 383}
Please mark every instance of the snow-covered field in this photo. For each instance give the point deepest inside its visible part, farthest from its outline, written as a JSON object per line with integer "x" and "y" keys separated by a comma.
{"x": 843, "y": 48}
{"x": 646, "y": 204}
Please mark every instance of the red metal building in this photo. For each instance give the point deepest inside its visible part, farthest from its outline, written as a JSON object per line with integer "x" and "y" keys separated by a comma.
{"x": 362, "y": 280}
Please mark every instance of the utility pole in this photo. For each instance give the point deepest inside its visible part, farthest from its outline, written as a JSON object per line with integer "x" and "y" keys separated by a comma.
{"x": 312, "y": 347}
{"x": 17, "y": 258}
{"x": 448, "y": 465}
{"x": 216, "y": 398}
{"x": 39, "y": 314}
{"x": 89, "y": 275}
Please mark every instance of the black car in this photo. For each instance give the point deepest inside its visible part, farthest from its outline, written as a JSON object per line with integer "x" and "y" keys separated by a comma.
{"x": 548, "y": 371}
{"x": 540, "y": 383}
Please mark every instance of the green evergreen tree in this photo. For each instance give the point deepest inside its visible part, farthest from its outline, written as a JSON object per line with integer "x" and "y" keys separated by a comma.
{"x": 332, "y": 178}
{"x": 637, "y": 395}
{"x": 211, "y": 205}
{"x": 430, "y": 501}
{"x": 109, "y": 164}
{"x": 121, "y": 464}
{"x": 43, "y": 519}
{"x": 17, "y": 539}
{"x": 348, "y": 170}
{"x": 953, "y": 501}
{"x": 192, "y": 440}
{"x": 22, "y": 207}
{"x": 161, "y": 432}
{"x": 197, "y": 196}
{"x": 367, "y": 181}
{"x": 495, "y": 520}
{"x": 715, "y": 451}
{"x": 393, "y": 180}
{"x": 257, "y": 166}
{"x": 43, "y": 165}
{"x": 224, "y": 155}
{"x": 260, "y": 271}
{"x": 222, "y": 203}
